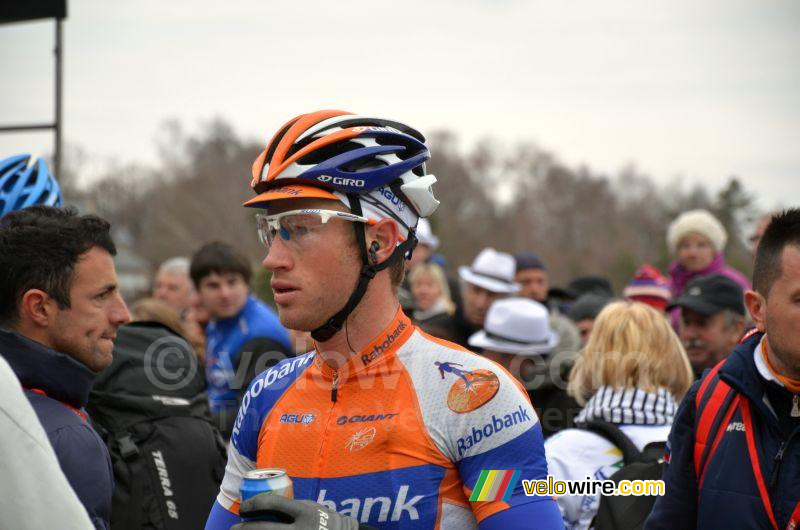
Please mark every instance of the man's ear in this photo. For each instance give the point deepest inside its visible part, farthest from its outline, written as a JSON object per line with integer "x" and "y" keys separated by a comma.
{"x": 37, "y": 308}
{"x": 757, "y": 306}
{"x": 386, "y": 233}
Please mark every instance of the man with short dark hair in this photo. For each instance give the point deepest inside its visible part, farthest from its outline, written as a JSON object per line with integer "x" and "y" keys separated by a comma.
{"x": 244, "y": 335}
{"x": 60, "y": 308}
{"x": 734, "y": 450}
{"x": 712, "y": 319}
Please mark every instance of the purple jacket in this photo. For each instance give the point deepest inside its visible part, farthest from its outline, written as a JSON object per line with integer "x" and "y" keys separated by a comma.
{"x": 679, "y": 277}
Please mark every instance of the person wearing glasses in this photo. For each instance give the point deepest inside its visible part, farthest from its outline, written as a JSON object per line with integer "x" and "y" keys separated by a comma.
{"x": 368, "y": 424}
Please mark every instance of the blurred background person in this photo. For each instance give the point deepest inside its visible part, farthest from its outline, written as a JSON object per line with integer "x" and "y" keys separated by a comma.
{"x": 173, "y": 285}
{"x": 584, "y": 311}
{"x": 433, "y": 307}
{"x": 648, "y": 286}
{"x": 517, "y": 335}
{"x": 534, "y": 280}
{"x": 532, "y": 276}
{"x": 427, "y": 243}
{"x": 712, "y": 319}
{"x": 244, "y": 335}
{"x": 425, "y": 252}
{"x": 632, "y": 373}
{"x": 698, "y": 240}
{"x": 154, "y": 310}
{"x": 489, "y": 278}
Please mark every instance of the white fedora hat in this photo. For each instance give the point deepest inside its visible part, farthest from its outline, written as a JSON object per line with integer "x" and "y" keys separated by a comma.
{"x": 516, "y": 325}
{"x": 492, "y": 270}
{"x": 425, "y": 234}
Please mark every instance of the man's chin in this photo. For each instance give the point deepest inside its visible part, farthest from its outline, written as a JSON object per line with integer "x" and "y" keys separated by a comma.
{"x": 100, "y": 361}
{"x": 289, "y": 320}
{"x": 700, "y": 357}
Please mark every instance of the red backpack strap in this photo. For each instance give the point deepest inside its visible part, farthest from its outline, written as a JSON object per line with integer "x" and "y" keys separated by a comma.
{"x": 755, "y": 462}
{"x": 715, "y": 403}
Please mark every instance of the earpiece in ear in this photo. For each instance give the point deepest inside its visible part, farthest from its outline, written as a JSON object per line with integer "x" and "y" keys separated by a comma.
{"x": 373, "y": 252}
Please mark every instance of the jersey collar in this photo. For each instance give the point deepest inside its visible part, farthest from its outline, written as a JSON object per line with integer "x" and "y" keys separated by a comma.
{"x": 378, "y": 351}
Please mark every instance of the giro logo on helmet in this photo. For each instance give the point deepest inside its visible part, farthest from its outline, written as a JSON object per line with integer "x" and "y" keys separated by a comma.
{"x": 340, "y": 181}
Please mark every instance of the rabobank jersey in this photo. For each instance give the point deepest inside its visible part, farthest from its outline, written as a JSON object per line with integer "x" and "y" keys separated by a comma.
{"x": 395, "y": 439}
{"x": 225, "y": 339}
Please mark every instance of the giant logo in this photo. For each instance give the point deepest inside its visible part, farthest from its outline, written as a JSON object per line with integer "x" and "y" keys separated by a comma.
{"x": 366, "y": 418}
{"x": 472, "y": 388}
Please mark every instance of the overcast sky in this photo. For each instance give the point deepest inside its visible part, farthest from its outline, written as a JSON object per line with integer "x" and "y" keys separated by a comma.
{"x": 700, "y": 89}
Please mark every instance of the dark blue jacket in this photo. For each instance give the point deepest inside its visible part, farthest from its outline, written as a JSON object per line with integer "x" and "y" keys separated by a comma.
{"x": 729, "y": 497}
{"x": 58, "y": 387}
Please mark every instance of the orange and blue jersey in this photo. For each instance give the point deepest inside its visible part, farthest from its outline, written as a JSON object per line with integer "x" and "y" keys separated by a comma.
{"x": 396, "y": 438}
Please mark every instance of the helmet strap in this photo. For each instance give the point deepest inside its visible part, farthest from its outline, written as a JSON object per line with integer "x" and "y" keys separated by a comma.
{"x": 368, "y": 272}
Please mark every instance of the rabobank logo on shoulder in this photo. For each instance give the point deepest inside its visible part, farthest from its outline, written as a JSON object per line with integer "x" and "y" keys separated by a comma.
{"x": 494, "y": 426}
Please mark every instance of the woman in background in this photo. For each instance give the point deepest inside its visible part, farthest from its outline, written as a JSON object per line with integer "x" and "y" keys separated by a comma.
{"x": 632, "y": 374}
{"x": 697, "y": 239}
{"x": 433, "y": 305}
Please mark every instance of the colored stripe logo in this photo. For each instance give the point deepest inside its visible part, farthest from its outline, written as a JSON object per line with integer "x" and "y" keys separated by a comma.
{"x": 495, "y": 485}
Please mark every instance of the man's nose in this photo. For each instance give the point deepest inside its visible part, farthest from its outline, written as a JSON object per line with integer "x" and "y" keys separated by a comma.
{"x": 119, "y": 312}
{"x": 278, "y": 256}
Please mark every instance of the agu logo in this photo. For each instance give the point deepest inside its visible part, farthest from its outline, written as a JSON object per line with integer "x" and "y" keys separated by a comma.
{"x": 305, "y": 419}
{"x": 472, "y": 388}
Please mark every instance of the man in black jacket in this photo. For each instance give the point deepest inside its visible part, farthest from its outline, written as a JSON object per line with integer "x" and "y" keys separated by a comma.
{"x": 59, "y": 313}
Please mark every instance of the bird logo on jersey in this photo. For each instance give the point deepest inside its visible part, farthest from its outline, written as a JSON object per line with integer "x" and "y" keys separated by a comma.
{"x": 472, "y": 388}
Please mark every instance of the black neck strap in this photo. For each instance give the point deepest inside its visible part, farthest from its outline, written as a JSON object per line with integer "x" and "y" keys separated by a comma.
{"x": 368, "y": 271}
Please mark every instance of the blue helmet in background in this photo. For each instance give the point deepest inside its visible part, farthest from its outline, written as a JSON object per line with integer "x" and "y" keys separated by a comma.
{"x": 22, "y": 186}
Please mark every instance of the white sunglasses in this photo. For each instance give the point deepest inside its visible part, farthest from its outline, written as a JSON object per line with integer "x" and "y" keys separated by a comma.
{"x": 294, "y": 225}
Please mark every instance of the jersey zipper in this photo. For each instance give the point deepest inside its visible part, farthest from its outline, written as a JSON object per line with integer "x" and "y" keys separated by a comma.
{"x": 335, "y": 386}
{"x": 328, "y": 428}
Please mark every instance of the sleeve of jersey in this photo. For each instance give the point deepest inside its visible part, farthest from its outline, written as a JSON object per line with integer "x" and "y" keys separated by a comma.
{"x": 504, "y": 436}
{"x": 262, "y": 394}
